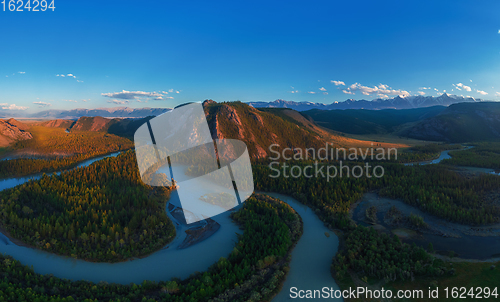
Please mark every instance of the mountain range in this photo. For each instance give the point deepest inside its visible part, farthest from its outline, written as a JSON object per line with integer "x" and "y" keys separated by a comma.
{"x": 123, "y": 112}
{"x": 397, "y": 102}
{"x": 460, "y": 123}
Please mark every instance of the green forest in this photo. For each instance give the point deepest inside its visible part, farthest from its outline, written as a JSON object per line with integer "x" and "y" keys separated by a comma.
{"x": 252, "y": 272}
{"x": 384, "y": 257}
{"x": 431, "y": 188}
{"x": 423, "y": 152}
{"x": 483, "y": 155}
{"x": 102, "y": 212}
{"x": 71, "y": 224}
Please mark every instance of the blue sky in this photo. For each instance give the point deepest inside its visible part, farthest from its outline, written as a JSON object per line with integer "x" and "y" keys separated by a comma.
{"x": 89, "y": 54}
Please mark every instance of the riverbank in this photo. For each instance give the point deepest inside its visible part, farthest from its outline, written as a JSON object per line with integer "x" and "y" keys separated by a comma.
{"x": 310, "y": 265}
{"x": 198, "y": 234}
{"x": 14, "y": 240}
{"x": 445, "y": 154}
{"x": 475, "y": 242}
{"x": 76, "y": 163}
{"x": 32, "y": 154}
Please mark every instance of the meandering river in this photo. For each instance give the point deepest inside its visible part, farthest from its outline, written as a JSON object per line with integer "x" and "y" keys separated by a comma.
{"x": 457, "y": 237}
{"x": 309, "y": 268}
{"x": 446, "y": 155}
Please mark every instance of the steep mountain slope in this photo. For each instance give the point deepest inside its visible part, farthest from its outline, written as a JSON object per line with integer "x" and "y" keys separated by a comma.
{"x": 259, "y": 130}
{"x": 364, "y": 121}
{"x": 397, "y": 102}
{"x": 121, "y": 127}
{"x": 12, "y": 130}
{"x": 92, "y": 124}
{"x": 465, "y": 122}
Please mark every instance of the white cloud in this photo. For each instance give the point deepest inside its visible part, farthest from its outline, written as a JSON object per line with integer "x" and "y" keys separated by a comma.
{"x": 21, "y": 72}
{"x": 69, "y": 75}
{"x": 294, "y": 91}
{"x": 424, "y": 88}
{"x": 497, "y": 94}
{"x": 85, "y": 100}
{"x": 118, "y": 102}
{"x": 170, "y": 90}
{"x": 325, "y": 93}
{"x": 161, "y": 98}
{"x": 482, "y": 92}
{"x": 71, "y": 101}
{"x": 347, "y": 92}
{"x": 12, "y": 107}
{"x": 312, "y": 92}
{"x": 130, "y": 95}
{"x": 436, "y": 89}
{"x": 338, "y": 83}
{"x": 421, "y": 92}
{"x": 322, "y": 89}
{"x": 42, "y": 104}
{"x": 461, "y": 86}
{"x": 381, "y": 90}
{"x": 177, "y": 91}
{"x": 164, "y": 92}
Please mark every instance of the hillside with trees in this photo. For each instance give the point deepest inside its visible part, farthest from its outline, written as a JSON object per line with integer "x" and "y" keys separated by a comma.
{"x": 364, "y": 121}
{"x": 459, "y": 123}
{"x": 102, "y": 212}
{"x": 253, "y": 271}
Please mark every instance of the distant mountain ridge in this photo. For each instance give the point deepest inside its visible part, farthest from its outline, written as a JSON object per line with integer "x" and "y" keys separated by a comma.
{"x": 124, "y": 127}
{"x": 460, "y": 123}
{"x": 397, "y": 102}
{"x": 114, "y": 112}
{"x": 363, "y": 121}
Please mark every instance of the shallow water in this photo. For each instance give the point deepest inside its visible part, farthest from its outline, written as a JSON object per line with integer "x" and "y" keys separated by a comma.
{"x": 467, "y": 246}
{"x": 12, "y": 182}
{"x": 165, "y": 264}
{"x": 312, "y": 256}
{"x": 310, "y": 265}
{"x": 442, "y": 156}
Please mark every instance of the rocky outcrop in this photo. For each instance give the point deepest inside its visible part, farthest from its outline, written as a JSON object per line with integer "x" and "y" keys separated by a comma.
{"x": 14, "y": 130}
{"x": 259, "y": 130}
